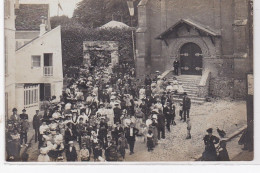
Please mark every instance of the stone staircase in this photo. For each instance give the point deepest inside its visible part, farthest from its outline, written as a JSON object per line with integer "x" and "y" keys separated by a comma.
{"x": 190, "y": 85}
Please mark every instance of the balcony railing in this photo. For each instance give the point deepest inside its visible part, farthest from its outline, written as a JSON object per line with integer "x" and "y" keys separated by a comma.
{"x": 48, "y": 70}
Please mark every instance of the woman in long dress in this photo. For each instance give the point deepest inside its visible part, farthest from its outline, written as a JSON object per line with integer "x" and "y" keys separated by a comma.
{"x": 175, "y": 84}
{"x": 153, "y": 128}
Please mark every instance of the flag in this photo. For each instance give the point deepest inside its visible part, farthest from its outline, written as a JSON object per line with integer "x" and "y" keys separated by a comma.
{"x": 60, "y": 6}
{"x": 130, "y": 5}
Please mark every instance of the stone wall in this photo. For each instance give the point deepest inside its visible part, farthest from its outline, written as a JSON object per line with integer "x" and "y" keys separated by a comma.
{"x": 226, "y": 57}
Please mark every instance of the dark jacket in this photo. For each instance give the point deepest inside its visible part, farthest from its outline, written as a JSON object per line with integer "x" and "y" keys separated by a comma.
{"x": 168, "y": 112}
{"x": 111, "y": 153}
{"x": 68, "y": 136}
{"x": 186, "y": 103}
{"x": 117, "y": 131}
{"x": 209, "y": 142}
{"x": 127, "y": 134}
{"x": 176, "y": 64}
{"x": 37, "y": 121}
{"x": 161, "y": 121}
{"x": 71, "y": 155}
{"x": 24, "y": 116}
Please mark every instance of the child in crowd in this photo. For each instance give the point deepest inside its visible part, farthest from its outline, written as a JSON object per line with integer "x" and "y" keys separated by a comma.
{"x": 122, "y": 145}
{"x": 150, "y": 140}
{"x": 84, "y": 153}
{"x": 97, "y": 151}
{"x": 188, "y": 129}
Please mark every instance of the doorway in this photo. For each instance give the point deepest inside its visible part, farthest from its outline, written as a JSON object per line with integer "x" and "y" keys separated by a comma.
{"x": 191, "y": 59}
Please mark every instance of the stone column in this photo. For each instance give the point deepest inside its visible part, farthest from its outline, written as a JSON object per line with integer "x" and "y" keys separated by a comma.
{"x": 142, "y": 41}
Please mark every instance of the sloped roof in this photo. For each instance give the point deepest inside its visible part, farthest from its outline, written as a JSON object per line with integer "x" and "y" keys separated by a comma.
{"x": 114, "y": 24}
{"x": 28, "y": 16}
{"x": 204, "y": 29}
{"x": 36, "y": 38}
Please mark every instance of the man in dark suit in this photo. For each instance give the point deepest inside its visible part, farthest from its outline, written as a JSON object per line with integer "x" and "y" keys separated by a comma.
{"x": 117, "y": 113}
{"x": 168, "y": 113}
{"x": 24, "y": 116}
{"x": 161, "y": 125}
{"x": 71, "y": 153}
{"x": 130, "y": 133}
{"x": 186, "y": 104}
{"x": 176, "y": 65}
{"x": 69, "y": 133}
{"x": 118, "y": 129}
{"x": 36, "y": 125}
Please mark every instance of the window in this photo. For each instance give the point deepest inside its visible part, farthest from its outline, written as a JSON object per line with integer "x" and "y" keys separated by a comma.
{"x": 31, "y": 95}
{"x": 36, "y": 61}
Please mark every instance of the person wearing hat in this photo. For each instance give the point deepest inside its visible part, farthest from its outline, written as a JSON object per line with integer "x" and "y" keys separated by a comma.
{"x": 14, "y": 117}
{"x": 110, "y": 115}
{"x": 111, "y": 150}
{"x": 117, "y": 113}
{"x": 71, "y": 153}
{"x": 36, "y": 125}
{"x": 69, "y": 133}
{"x": 148, "y": 80}
{"x": 130, "y": 133}
{"x": 144, "y": 108}
{"x": 43, "y": 157}
{"x": 23, "y": 131}
{"x": 84, "y": 153}
{"x": 122, "y": 144}
{"x": 210, "y": 140}
{"x": 176, "y": 65}
{"x": 24, "y": 116}
{"x": 168, "y": 113}
{"x": 222, "y": 151}
{"x": 117, "y": 130}
{"x": 186, "y": 104}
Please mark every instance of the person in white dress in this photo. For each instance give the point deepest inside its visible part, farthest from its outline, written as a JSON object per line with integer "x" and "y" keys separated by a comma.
{"x": 142, "y": 93}
{"x": 180, "y": 88}
{"x": 175, "y": 86}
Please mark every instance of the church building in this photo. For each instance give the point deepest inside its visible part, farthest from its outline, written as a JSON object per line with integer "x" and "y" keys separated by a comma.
{"x": 212, "y": 39}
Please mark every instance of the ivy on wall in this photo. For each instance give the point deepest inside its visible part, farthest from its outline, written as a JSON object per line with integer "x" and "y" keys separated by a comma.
{"x": 72, "y": 38}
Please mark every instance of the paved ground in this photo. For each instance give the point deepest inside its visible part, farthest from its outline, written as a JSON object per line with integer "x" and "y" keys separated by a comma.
{"x": 229, "y": 116}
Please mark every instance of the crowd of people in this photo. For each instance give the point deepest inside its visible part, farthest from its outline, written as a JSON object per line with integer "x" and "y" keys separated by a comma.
{"x": 100, "y": 114}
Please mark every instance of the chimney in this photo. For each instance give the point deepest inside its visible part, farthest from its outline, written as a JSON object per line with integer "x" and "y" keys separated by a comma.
{"x": 42, "y": 26}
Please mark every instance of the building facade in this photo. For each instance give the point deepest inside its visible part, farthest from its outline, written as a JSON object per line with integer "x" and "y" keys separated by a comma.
{"x": 204, "y": 35}
{"x": 9, "y": 37}
{"x": 39, "y": 74}
{"x": 28, "y": 20}
{"x": 33, "y": 70}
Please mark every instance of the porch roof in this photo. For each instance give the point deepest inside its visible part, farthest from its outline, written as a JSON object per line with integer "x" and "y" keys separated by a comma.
{"x": 202, "y": 29}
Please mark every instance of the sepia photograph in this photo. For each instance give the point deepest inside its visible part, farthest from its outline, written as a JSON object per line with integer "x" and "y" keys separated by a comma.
{"x": 131, "y": 81}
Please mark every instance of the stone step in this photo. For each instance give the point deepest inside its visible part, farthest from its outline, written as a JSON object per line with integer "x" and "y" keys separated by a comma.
{"x": 190, "y": 90}
{"x": 192, "y": 101}
{"x": 192, "y": 98}
{"x": 191, "y": 82}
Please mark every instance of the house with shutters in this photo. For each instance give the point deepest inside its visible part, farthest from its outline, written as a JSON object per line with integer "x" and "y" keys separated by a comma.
{"x": 38, "y": 72}
{"x": 212, "y": 40}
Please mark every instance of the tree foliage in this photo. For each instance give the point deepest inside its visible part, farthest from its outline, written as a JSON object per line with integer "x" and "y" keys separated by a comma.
{"x": 63, "y": 21}
{"x": 95, "y": 13}
{"x": 74, "y": 36}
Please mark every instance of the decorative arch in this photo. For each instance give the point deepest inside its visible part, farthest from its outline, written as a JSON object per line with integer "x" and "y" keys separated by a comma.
{"x": 177, "y": 44}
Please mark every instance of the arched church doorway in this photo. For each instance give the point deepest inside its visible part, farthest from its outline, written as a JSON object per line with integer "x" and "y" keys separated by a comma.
{"x": 191, "y": 59}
